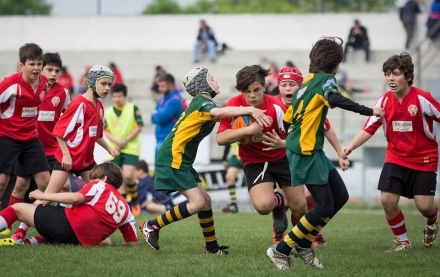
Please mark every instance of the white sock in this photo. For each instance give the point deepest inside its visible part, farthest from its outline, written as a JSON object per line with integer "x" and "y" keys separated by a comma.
{"x": 3, "y": 224}
{"x": 23, "y": 226}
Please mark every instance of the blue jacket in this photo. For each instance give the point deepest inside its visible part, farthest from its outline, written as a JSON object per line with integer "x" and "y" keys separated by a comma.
{"x": 167, "y": 112}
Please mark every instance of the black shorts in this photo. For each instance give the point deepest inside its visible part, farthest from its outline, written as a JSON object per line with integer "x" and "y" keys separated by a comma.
{"x": 51, "y": 222}
{"x": 29, "y": 154}
{"x": 277, "y": 172}
{"x": 407, "y": 182}
{"x": 77, "y": 173}
{"x": 19, "y": 172}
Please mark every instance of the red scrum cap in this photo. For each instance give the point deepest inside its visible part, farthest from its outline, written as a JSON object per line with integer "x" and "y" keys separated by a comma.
{"x": 290, "y": 74}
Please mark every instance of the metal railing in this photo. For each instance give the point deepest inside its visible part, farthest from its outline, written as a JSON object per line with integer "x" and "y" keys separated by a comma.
{"x": 425, "y": 58}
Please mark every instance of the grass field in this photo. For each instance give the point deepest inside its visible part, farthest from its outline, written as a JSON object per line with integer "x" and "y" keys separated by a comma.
{"x": 357, "y": 241}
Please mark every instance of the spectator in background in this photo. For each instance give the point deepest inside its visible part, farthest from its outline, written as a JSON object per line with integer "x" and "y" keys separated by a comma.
{"x": 344, "y": 84}
{"x": 271, "y": 80}
{"x": 205, "y": 42}
{"x": 409, "y": 17}
{"x": 155, "y": 83}
{"x": 434, "y": 21}
{"x": 82, "y": 86}
{"x": 290, "y": 64}
{"x": 168, "y": 109}
{"x": 66, "y": 79}
{"x": 357, "y": 39}
{"x": 151, "y": 200}
{"x": 118, "y": 75}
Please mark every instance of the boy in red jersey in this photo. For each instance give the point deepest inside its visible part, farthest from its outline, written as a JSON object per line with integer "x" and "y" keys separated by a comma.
{"x": 77, "y": 131}
{"x": 20, "y": 96}
{"x": 261, "y": 168}
{"x": 411, "y": 159}
{"x": 99, "y": 209}
{"x": 54, "y": 103}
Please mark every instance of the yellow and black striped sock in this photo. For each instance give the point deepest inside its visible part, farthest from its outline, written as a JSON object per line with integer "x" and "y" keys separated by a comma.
{"x": 176, "y": 213}
{"x": 206, "y": 221}
{"x": 304, "y": 227}
{"x": 132, "y": 189}
{"x": 232, "y": 195}
{"x": 308, "y": 240}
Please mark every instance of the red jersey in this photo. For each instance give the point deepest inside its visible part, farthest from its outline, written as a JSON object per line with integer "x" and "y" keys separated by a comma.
{"x": 104, "y": 211}
{"x": 66, "y": 80}
{"x": 253, "y": 153}
{"x": 408, "y": 128}
{"x": 80, "y": 126}
{"x": 19, "y": 107}
{"x": 54, "y": 103}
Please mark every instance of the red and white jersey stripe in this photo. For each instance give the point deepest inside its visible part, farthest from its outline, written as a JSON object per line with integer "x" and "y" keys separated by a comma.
{"x": 19, "y": 107}
{"x": 409, "y": 129}
{"x": 104, "y": 211}
{"x": 80, "y": 126}
{"x": 54, "y": 103}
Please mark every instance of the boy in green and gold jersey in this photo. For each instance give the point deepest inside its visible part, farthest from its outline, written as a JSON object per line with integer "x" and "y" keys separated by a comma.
{"x": 307, "y": 161}
{"x": 122, "y": 125}
{"x": 174, "y": 162}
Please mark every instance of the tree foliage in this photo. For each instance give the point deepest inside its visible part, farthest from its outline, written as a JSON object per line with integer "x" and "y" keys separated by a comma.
{"x": 270, "y": 7}
{"x": 25, "y": 7}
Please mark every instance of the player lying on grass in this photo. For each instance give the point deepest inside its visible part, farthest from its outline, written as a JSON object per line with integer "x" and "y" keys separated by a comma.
{"x": 98, "y": 210}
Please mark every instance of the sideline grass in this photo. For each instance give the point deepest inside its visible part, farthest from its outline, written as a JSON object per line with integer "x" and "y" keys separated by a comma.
{"x": 357, "y": 245}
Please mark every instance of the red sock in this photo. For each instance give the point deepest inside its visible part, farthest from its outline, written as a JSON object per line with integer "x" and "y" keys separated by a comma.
{"x": 9, "y": 216}
{"x": 34, "y": 240}
{"x": 279, "y": 201}
{"x": 13, "y": 200}
{"x": 431, "y": 220}
{"x": 397, "y": 225}
{"x": 310, "y": 202}
{"x": 294, "y": 220}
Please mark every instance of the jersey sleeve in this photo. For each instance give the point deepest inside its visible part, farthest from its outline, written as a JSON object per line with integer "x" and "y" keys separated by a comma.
{"x": 67, "y": 100}
{"x": 430, "y": 107}
{"x": 288, "y": 115}
{"x": 329, "y": 87}
{"x": 7, "y": 89}
{"x": 373, "y": 122}
{"x": 89, "y": 190}
{"x": 226, "y": 123}
{"x": 128, "y": 229}
{"x": 137, "y": 116}
{"x": 69, "y": 121}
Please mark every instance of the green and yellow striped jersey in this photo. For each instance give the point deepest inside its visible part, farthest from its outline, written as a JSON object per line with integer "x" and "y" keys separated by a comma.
{"x": 309, "y": 110}
{"x": 179, "y": 149}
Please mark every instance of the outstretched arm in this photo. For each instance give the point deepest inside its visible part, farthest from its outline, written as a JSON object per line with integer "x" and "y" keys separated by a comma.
{"x": 74, "y": 198}
{"x": 357, "y": 141}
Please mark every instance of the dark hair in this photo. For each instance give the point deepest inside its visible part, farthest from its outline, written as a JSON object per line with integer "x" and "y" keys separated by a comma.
{"x": 326, "y": 55}
{"x": 112, "y": 65}
{"x": 120, "y": 88}
{"x": 142, "y": 165}
{"x": 403, "y": 62}
{"x": 30, "y": 51}
{"x": 249, "y": 74}
{"x": 112, "y": 171}
{"x": 290, "y": 64}
{"x": 52, "y": 59}
{"x": 158, "y": 67}
{"x": 167, "y": 78}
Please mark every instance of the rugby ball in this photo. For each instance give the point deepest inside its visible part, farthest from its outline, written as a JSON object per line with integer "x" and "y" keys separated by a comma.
{"x": 242, "y": 122}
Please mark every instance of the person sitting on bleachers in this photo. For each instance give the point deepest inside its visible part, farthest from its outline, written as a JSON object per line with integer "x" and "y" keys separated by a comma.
{"x": 358, "y": 38}
{"x": 205, "y": 42}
